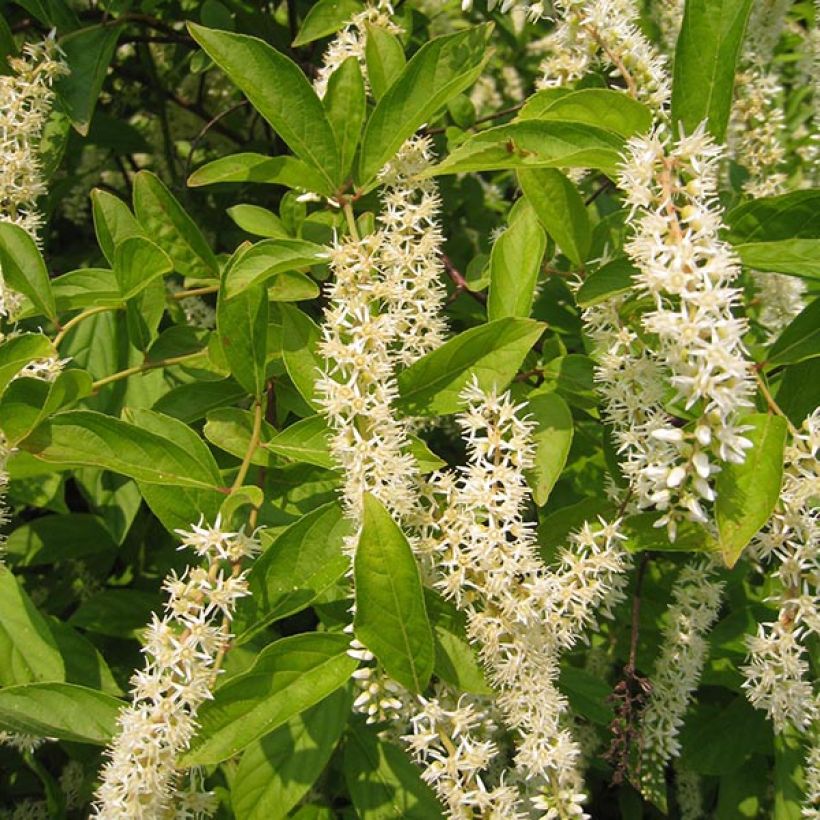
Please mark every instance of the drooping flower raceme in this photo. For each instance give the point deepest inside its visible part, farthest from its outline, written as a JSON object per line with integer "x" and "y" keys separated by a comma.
{"x": 687, "y": 273}
{"x": 589, "y": 33}
{"x": 25, "y": 100}
{"x": 778, "y": 674}
{"x": 351, "y": 41}
{"x": 520, "y": 615}
{"x": 696, "y": 599}
{"x": 141, "y": 777}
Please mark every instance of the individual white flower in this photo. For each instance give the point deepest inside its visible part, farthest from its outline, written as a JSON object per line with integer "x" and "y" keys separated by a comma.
{"x": 696, "y": 599}
{"x": 140, "y": 778}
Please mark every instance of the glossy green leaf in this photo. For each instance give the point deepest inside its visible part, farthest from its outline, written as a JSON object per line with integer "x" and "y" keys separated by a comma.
{"x": 286, "y": 99}
{"x": 492, "y": 353}
{"x": 24, "y": 269}
{"x": 605, "y": 108}
{"x": 643, "y": 536}
{"x": 552, "y": 438}
{"x": 391, "y": 616}
{"x": 250, "y": 167}
{"x": 137, "y": 262}
{"x": 28, "y": 651}
{"x": 440, "y": 69}
{"x": 535, "y": 144}
{"x": 573, "y": 377}
{"x": 17, "y": 351}
{"x": 382, "y": 781}
{"x": 588, "y": 695}
{"x": 307, "y": 440}
{"x": 748, "y": 492}
{"x": 303, "y": 562}
{"x": 117, "y": 613}
{"x": 190, "y": 402}
{"x": 289, "y": 676}
{"x": 705, "y": 60}
{"x": 611, "y": 279}
{"x": 515, "y": 262}
{"x": 300, "y": 335}
{"x": 113, "y": 222}
{"x": 58, "y": 537}
{"x": 346, "y": 103}
{"x": 292, "y": 286}
{"x": 262, "y": 261}
{"x": 86, "y": 438}
{"x": 86, "y": 287}
{"x": 325, "y": 17}
{"x": 789, "y": 775}
{"x": 560, "y": 209}
{"x": 800, "y": 340}
{"x": 277, "y": 771}
{"x": 385, "y": 59}
{"x": 242, "y": 325}
{"x": 88, "y": 53}
{"x": 258, "y": 221}
{"x": 230, "y": 429}
{"x": 62, "y": 710}
{"x": 27, "y": 402}
{"x": 796, "y": 257}
{"x": 167, "y": 223}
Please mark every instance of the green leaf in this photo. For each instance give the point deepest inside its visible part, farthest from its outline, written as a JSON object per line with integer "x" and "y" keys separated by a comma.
{"x": 552, "y": 438}
{"x": 492, "y": 353}
{"x": 560, "y": 209}
{"x": 307, "y": 440}
{"x": 230, "y": 429}
{"x": 87, "y": 287}
{"x": 286, "y": 99}
{"x": 28, "y": 651}
{"x": 383, "y": 783}
{"x": 572, "y": 376}
{"x": 276, "y": 772}
{"x": 250, "y": 167}
{"x": 113, "y": 222}
{"x": 137, "y": 262}
{"x": 292, "y": 286}
{"x": 612, "y": 279}
{"x": 325, "y": 17}
{"x": 800, "y": 340}
{"x": 440, "y": 70}
{"x": 748, "y": 492}
{"x": 705, "y": 59}
{"x": 346, "y": 104}
{"x": 190, "y": 402}
{"x": 24, "y": 269}
{"x": 643, "y": 536}
{"x": 89, "y": 439}
{"x": 789, "y": 777}
{"x": 258, "y": 221}
{"x": 118, "y": 613}
{"x": 53, "y": 538}
{"x": 303, "y": 562}
{"x": 587, "y": 694}
{"x": 796, "y": 257}
{"x": 613, "y": 110}
{"x": 391, "y": 616}
{"x": 535, "y": 144}
{"x": 385, "y": 59}
{"x": 795, "y": 215}
{"x": 88, "y": 53}
{"x": 258, "y": 263}
{"x": 166, "y": 222}
{"x": 16, "y": 352}
{"x": 27, "y": 402}
{"x": 62, "y": 710}
{"x": 242, "y": 325}
{"x": 289, "y": 676}
{"x": 515, "y": 262}
{"x": 300, "y": 335}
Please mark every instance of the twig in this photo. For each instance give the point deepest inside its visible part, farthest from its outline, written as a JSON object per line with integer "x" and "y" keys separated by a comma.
{"x": 460, "y": 282}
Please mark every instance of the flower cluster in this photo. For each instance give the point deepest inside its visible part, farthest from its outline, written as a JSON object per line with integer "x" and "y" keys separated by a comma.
{"x": 351, "y": 41}
{"x": 25, "y": 100}
{"x": 452, "y": 739}
{"x": 182, "y": 648}
{"x": 520, "y": 615}
{"x": 778, "y": 676}
{"x": 686, "y": 273}
{"x": 593, "y": 32}
{"x": 696, "y": 600}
